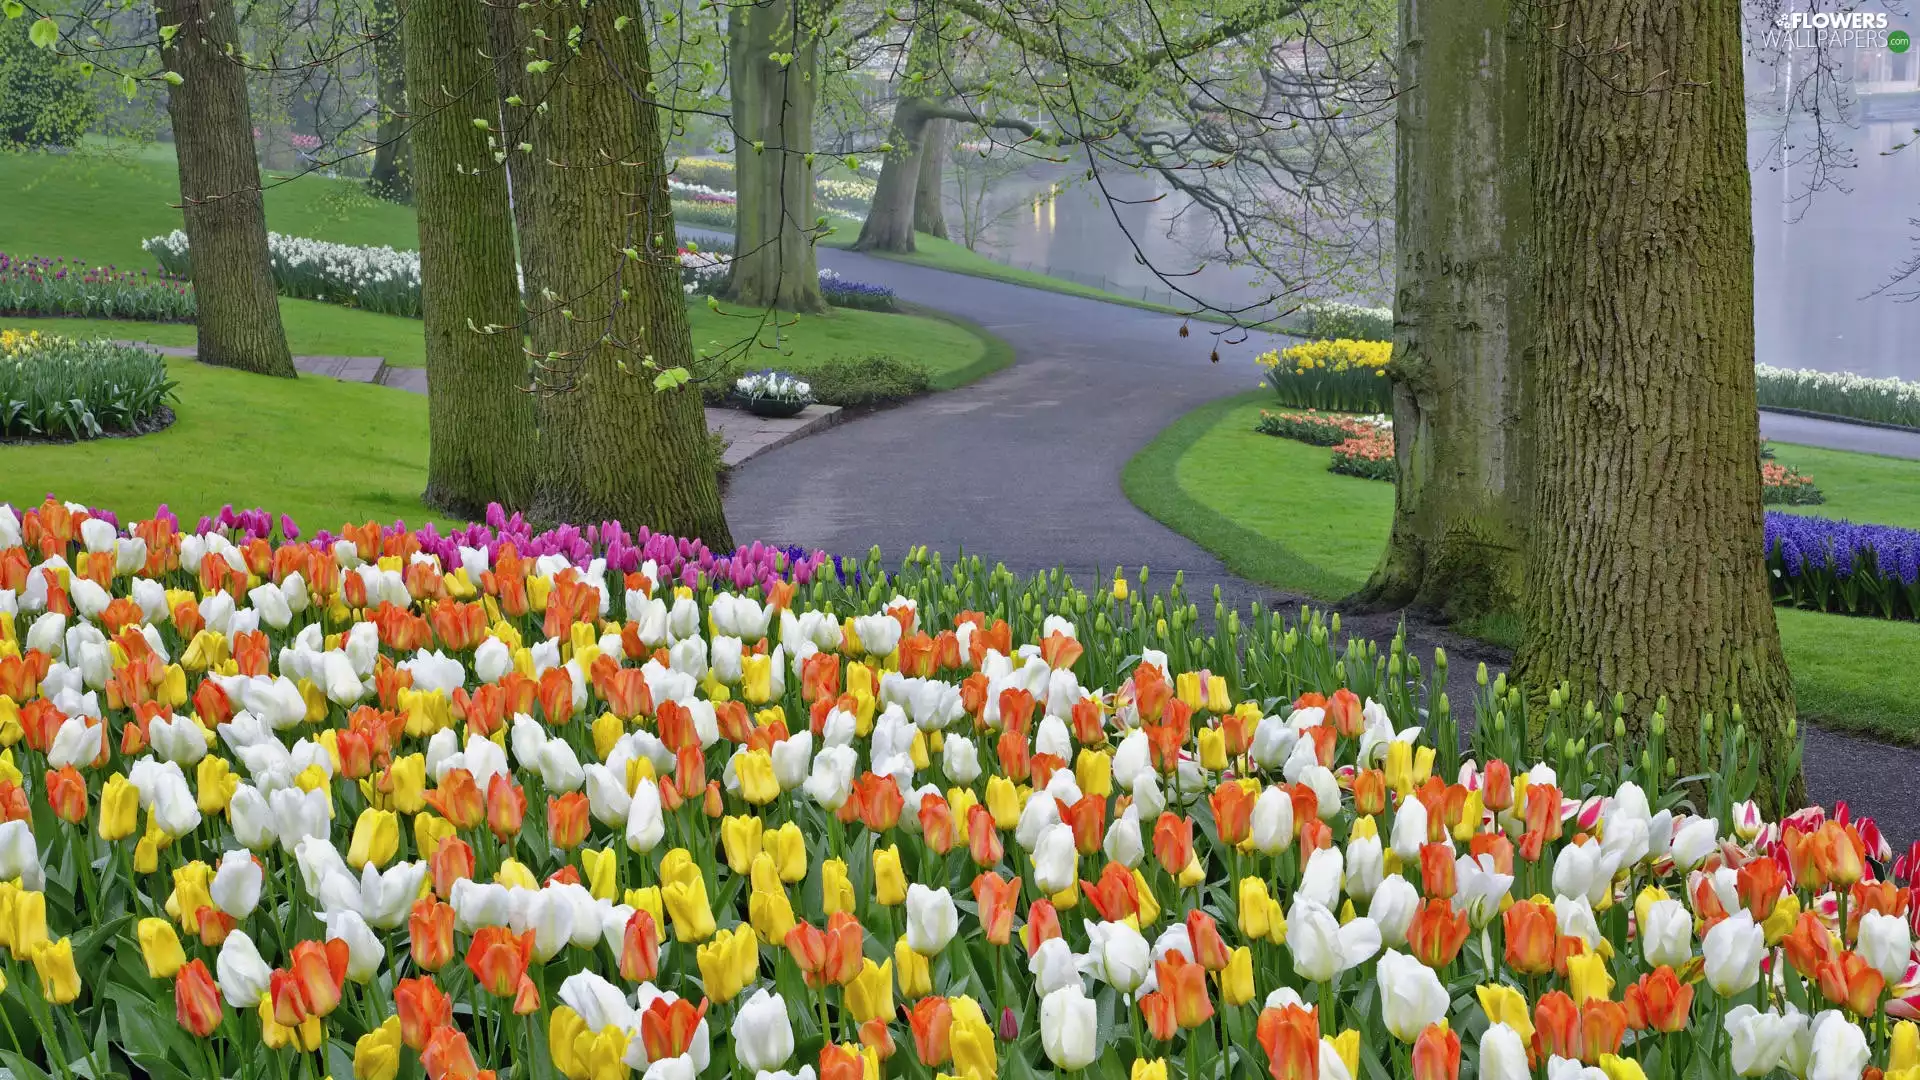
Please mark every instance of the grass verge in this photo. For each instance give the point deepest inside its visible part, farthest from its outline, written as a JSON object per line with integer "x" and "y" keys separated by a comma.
{"x": 1272, "y": 512}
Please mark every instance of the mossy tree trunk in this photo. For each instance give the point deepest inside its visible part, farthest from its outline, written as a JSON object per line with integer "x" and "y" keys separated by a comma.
{"x": 481, "y": 446}
{"x": 1460, "y": 318}
{"x": 773, "y": 101}
{"x": 226, "y": 221}
{"x": 890, "y": 216}
{"x": 604, "y": 286}
{"x": 930, "y": 200}
{"x": 1645, "y": 566}
{"x": 389, "y": 176}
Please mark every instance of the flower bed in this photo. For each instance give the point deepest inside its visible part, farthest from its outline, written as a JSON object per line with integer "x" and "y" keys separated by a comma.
{"x": 712, "y": 215}
{"x": 715, "y": 177}
{"x": 32, "y": 285}
{"x": 1368, "y": 456}
{"x": 467, "y": 805}
{"x": 1832, "y": 565}
{"x": 772, "y": 393}
{"x": 1340, "y": 375}
{"x": 54, "y": 388}
{"x": 1338, "y": 319}
{"x": 1321, "y": 429}
{"x": 841, "y": 291}
{"x": 375, "y": 278}
{"x": 1781, "y": 485}
{"x": 704, "y": 272}
{"x": 1884, "y": 401}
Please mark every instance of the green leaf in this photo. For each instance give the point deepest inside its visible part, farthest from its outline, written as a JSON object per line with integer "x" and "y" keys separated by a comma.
{"x": 171, "y": 78}
{"x": 536, "y": 67}
{"x": 13, "y": 9}
{"x": 620, "y": 23}
{"x": 671, "y": 378}
{"x": 21, "y": 1068}
{"x": 129, "y": 87}
{"x": 44, "y": 32}
{"x": 167, "y": 32}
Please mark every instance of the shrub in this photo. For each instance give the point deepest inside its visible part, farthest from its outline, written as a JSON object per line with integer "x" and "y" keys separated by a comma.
{"x": 1341, "y": 375}
{"x": 44, "y": 97}
{"x": 851, "y": 382}
{"x": 1884, "y": 401}
{"x": 1320, "y": 429}
{"x": 1338, "y": 319}
{"x": 1369, "y": 456}
{"x": 30, "y": 285}
{"x": 55, "y": 388}
{"x": 1830, "y": 565}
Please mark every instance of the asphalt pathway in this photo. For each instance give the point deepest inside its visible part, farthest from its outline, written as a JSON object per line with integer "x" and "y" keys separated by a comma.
{"x": 1023, "y": 467}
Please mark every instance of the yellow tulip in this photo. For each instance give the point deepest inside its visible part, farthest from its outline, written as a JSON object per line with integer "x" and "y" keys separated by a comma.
{"x": 376, "y": 1056}
{"x": 602, "y": 871}
{"x": 1003, "y": 799}
{"x": 1120, "y": 593}
{"x": 973, "y": 1045}
{"x": 1149, "y": 906}
{"x": 1620, "y": 1068}
{"x": 563, "y": 1027}
{"x": 770, "y": 913}
{"x": 606, "y": 733}
{"x": 1399, "y": 767}
{"x": 214, "y": 784}
{"x": 678, "y": 866}
{"x": 915, "y": 972}
{"x": 1505, "y": 1005}
{"x": 29, "y": 924}
{"x": 1347, "y": 1046}
{"x": 207, "y": 649}
{"x": 599, "y": 1055}
{"x": 728, "y": 963}
{"x": 429, "y": 832}
{"x": 59, "y": 979}
{"x": 1780, "y": 921}
{"x": 119, "y": 808}
{"x": 1213, "y": 749}
{"x": 1187, "y": 687}
{"x": 1218, "y": 699}
{"x": 1193, "y": 875}
{"x": 688, "y": 905}
{"x": 756, "y": 678}
{"x": 376, "y": 839}
{"x": 1587, "y": 978}
{"x": 836, "y": 891}
{"x": 889, "y": 880}
{"x": 306, "y": 1038}
{"x": 788, "y": 846}
{"x": 740, "y": 839}
{"x": 870, "y": 995}
{"x": 1470, "y": 814}
{"x": 1236, "y": 982}
{"x": 1905, "y": 1050}
{"x": 160, "y": 948}
{"x": 1255, "y": 903}
{"x": 647, "y": 900}
{"x": 754, "y": 770}
{"x": 407, "y": 777}
{"x": 515, "y": 874}
{"x": 1093, "y": 770}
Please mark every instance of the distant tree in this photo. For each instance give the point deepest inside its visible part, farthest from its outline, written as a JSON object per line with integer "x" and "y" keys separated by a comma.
{"x": 44, "y": 97}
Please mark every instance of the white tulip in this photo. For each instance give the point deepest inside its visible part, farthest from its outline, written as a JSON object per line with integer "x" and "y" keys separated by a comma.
{"x": 364, "y": 950}
{"x": 932, "y": 919}
{"x": 1411, "y": 995}
{"x": 1886, "y": 944}
{"x": 1733, "y": 950}
{"x": 1055, "y": 860}
{"x": 1053, "y": 966}
{"x": 960, "y": 760}
{"x": 1118, "y": 956}
{"x": 242, "y": 975}
{"x": 1667, "y": 937}
{"x": 1839, "y": 1048}
{"x": 1123, "y": 843}
{"x": 1068, "y": 1024}
{"x": 763, "y": 1032}
{"x": 1322, "y": 948}
{"x": 645, "y": 824}
{"x": 1394, "y": 904}
{"x": 236, "y": 884}
{"x": 1502, "y": 1055}
{"x": 1272, "y": 823}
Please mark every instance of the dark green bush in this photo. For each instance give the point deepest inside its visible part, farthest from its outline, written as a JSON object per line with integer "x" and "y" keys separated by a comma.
{"x": 44, "y": 98}
{"x": 55, "y": 388}
{"x": 850, "y": 382}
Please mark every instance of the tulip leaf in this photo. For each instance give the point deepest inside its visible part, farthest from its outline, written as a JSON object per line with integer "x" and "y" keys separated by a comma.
{"x": 21, "y": 1068}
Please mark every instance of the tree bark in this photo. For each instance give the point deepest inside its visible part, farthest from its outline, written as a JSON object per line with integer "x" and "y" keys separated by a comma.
{"x": 390, "y": 176}
{"x": 774, "y": 263}
{"x": 1460, "y": 320}
{"x": 1645, "y": 566}
{"x": 481, "y": 446}
{"x": 890, "y": 216}
{"x": 238, "y": 316}
{"x": 604, "y": 284}
{"x": 930, "y": 199}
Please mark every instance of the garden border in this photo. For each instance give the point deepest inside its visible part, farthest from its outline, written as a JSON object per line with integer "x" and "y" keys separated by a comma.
{"x": 1837, "y": 418}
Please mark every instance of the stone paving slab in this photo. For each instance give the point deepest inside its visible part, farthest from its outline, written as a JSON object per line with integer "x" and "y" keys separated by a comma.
{"x": 748, "y": 436}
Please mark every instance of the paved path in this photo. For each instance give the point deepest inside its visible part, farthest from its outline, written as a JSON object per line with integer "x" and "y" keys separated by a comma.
{"x": 1024, "y": 467}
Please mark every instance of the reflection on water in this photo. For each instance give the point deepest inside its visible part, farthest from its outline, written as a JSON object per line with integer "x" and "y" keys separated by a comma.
{"x": 1812, "y": 276}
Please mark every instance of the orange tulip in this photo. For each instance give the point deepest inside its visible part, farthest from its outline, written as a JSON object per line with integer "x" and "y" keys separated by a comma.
{"x": 1760, "y": 884}
{"x": 422, "y": 1007}
{"x": 1436, "y": 871}
{"x": 289, "y": 1005}
{"x": 506, "y": 806}
{"x": 556, "y": 696}
{"x": 1603, "y": 1026}
{"x": 1088, "y": 817}
{"x": 844, "y": 940}
{"x": 1306, "y": 805}
{"x": 1532, "y": 937}
{"x": 1437, "y": 933}
{"x": 1157, "y": 1010}
{"x": 1116, "y": 895}
{"x": 983, "y": 840}
{"x": 430, "y": 926}
{"x": 841, "y": 1063}
{"x": 936, "y": 823}
{"x": 667, "y": 1028}
{"x": 1659, "y": 1001}
{"x": 1060, "y": 651}
{"x": 1232, "y": 812}
{"x": 1543, "y": 820}
{"x": 1173, "y": 842}
{"x": 880, "y": 801}
{"x": 640, "y": 948}
{"x": 67, "y": 794}
{"x": 319, "y": 971}
{"x": 1847, "y": 980}
{"x": 1089, "y": 724}
{"x": 446, "y": 1055}
{"x": 451, "y": 861}
{"x": 196, "y": 1000}
{"x": 931, "y": 1021}
{"x": 1810, "y": 946}
{"x": 1209, "y": 948}
{"x": 567, "y": 820}
{"x": 1043, "y": 925}
{"x": 1840, "y": 853}
{"x": 996, "y": 899}
{"x": 1556, "y": 1026}
{"x": 458, "y": 799}
{"x": 1436, "y": 1054}
{"x": 1185, "y": 983}
{"x": 1370, "y": 792}
{"x": 499, "y": 960}
{"x": 1291, "y": 1037}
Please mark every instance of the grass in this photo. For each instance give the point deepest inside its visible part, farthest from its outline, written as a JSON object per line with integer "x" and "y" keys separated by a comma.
{"x": 1272, "y": 512}
{"x": 953, "y": 351}
{"x": 247, "y": 438}
{"x": 313, "y": 328}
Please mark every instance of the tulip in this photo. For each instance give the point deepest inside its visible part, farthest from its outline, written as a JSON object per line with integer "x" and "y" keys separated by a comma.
{"x": 59, "y": 979}
{"x": 376, "y": 839}
{"x": 932, "y": 920}
{"x": 67, "y": 794}
{"x": 913, "y": 971}
{"x": 1588, "y": 979}
{"x": 244, "y": 977}
{"x": 974, "y": 1055}
{"x": 1068, "y": 1023}
{"x": 1849, "y": 981}
{"x": 687, "y": 904}
{"x": 499, "y": 960}
{"x": 430, "y": 931}
{"x": 1436, "y": 1054}
{"x": 1839, "y": 1048}
{"x": 196, "y": 999}
{"x": 160, "y": 947}
{"x": 1666, "y": 933}
{"x": 1184, "y": 983}
{"x": 1503, "y": 1054}
{"x": 1886, "y": 944}
{"x": 376, "y": 1055}
{"x": 1322, "y": 948}
{"x": 1411, "y": 996}
{"x": 422, "y": 1009}
{"x": 763, "y": 1032}
{"x": 1733, "y": 950}
{"x": 889, "y": 880}
{"x": 870, "y": 995}
{"x": 995, "y": 899}
{"x": 1437, "y": 933}
{"x": 1118, "y": 955}
{"x": 119, "y": 808}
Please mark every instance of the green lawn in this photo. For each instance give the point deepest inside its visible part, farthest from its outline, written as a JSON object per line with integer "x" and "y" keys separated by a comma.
{"x": 313, "y": 329}
{"x": 1272, "y": 512}
{"x": 248, "y": 439}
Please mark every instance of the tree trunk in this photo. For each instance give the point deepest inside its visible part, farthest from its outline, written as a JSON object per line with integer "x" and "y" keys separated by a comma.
{"x": 890, "y": 216}
{"x": 1460, "y": 319}
{"x": 481, "y": 446}
{"x": 603, "y": 281}
{"x": 774, "y": 264}
{"x": 239, "y": 312}
{"x": 930, "y": 200}
{"x": 391, "y": 174}
{"x": 1645, "y": 567}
